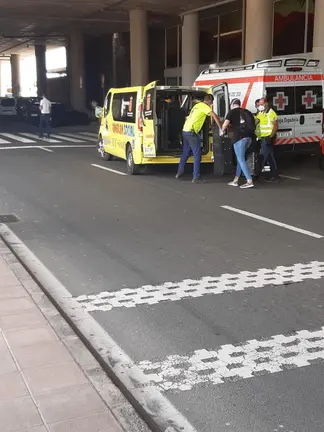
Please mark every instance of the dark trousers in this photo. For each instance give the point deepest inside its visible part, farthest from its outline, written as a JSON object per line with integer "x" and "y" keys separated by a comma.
{"x": 267, "y": 155}
{"x": 191, "y": 144}
{"x": 45, "y": 125}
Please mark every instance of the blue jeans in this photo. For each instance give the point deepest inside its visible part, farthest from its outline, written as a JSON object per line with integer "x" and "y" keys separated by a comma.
{"x": 191, "y": 144}
{"x": 240, "y": 148}
{"x": 45, "y": 125}
{"x": 267, "y": 155}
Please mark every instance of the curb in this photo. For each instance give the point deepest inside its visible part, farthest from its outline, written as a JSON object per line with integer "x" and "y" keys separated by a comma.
{"x": 155, "y": 409}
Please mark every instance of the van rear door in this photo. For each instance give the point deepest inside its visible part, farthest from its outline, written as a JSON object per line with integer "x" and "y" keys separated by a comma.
{"x": 149, "y": 120}
{"x": 222, "y": 145}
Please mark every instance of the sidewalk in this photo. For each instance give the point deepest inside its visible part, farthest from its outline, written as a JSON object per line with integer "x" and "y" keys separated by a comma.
{"x": 49, "y": 382}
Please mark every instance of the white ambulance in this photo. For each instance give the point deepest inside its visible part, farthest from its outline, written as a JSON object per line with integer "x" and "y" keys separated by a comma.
{"x": 294, "y": 88}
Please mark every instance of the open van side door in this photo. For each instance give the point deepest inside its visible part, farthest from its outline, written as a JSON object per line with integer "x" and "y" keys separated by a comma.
{"x": 149, "y": 120}
{"x": 222, "y": 145}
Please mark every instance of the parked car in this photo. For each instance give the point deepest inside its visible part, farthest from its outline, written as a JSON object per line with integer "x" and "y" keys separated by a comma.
{"x": 61, "y": 115}
{"x": 8, "y": 106}
{"x": 23, "y": 104}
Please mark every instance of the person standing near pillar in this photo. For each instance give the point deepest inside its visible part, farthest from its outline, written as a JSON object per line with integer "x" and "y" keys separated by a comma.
{"x": 45, "y": 117}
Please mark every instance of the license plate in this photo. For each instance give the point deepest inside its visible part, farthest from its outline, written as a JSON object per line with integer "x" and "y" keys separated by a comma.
{"x": 149, "y": 152}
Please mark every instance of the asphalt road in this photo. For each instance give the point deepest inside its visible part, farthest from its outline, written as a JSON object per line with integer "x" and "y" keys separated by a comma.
{"x": 239, "y": 352}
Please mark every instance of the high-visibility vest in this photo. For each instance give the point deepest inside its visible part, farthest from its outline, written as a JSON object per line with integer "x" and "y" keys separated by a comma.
{"x": 266, "y": 122}
{"x": 257, "y": 127}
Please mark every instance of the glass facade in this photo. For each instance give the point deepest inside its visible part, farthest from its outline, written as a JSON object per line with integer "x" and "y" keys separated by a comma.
{"x": 293, "y": 26}
{"x": 221, "y": 33}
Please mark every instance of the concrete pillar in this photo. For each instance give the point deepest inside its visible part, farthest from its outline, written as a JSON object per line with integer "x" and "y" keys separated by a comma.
{"x": 190, "y": 48}
{"x": 15, "y": 74}
{"x": 318, "y": 39}
{"x": 258, "y": 30}
{"x": 76, "y": 71}
{"x": 40, "y": 54}
{"x": 139, "y": 47}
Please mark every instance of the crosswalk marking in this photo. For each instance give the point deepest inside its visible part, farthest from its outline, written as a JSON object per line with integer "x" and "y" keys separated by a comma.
{"x": 90, "y": 134}
{"x": 58, "y": 146}
{"x": 2, "y": 141}
{"x": 66, "y": 138}
{"x": 36, "y": 137}
{"x": 232, "y": 363}
{"x": 194, "y": 288}
{"x": 83, "y": 138}
{"x": 18, "y": 138}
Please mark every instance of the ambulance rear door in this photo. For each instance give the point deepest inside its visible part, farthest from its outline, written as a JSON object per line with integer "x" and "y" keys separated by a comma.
{"x": 308, "y": 100}
{"x": 222, "y": 145}
{"x": 296, "y": 94}
{"x": 281, "y": 97}
{"x": 149, "y": 120}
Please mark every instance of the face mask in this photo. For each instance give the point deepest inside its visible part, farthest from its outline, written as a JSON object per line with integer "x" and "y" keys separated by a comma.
{"x": 261, "y": 108}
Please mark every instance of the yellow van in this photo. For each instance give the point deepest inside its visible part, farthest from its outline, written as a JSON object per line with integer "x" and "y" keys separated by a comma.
{"x": 143, "y": 125}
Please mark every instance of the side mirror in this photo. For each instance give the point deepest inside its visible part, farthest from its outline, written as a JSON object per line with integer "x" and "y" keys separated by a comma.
{"x": 98, "y": 112}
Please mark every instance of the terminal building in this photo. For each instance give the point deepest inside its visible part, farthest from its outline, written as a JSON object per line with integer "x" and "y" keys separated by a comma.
{"x": 119, "y": 43}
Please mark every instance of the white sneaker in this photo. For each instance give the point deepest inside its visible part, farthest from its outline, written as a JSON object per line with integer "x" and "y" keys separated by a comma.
{"x": 233, "y": 183}
{"x": 247, "y": 186}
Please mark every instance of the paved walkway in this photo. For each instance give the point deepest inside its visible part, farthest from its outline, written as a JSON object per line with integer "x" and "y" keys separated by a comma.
{"x": 47, "y": 377}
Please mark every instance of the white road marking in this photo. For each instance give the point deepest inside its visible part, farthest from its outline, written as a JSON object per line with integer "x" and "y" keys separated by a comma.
{"x": 22, "y": 147}
{"x": 66, "y": 138}
{"x": 73, "y": 135}
{"x": 18, "y": 138}
{"x": 2, "y": 141}
{"x": 194, "y": 288}
{"x": 46, "y": 149}
{"x": 34, "y": 136}
{"x": 154, "y": 405}
{"x": 109, "y": 169}
{"x": 273, "y": 222}
{"x": 83, "y": 137}
{"x": 90, "y": 134}
{"x": 232, "y": 363}
{"x": 290, "y": 177}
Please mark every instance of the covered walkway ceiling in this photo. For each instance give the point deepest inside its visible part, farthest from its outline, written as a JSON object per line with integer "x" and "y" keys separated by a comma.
{"x": 24, "y": 22}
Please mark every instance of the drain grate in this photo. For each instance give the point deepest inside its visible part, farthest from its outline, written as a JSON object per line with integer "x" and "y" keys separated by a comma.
{"x": 9, "y": 218}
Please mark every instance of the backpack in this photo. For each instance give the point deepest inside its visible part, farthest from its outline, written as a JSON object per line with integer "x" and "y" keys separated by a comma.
{"x": 247, "y": 123}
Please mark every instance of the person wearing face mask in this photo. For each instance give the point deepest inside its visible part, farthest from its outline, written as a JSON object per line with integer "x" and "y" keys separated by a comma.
{"x": 268, "y": 121}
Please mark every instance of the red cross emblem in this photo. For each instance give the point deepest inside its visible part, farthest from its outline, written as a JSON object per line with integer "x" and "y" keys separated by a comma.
{"x": 280, "y": 101}
{"x": 309, "y": 99}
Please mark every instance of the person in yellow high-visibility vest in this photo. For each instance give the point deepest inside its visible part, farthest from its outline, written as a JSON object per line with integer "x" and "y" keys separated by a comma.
{"x": 268, "y": 124}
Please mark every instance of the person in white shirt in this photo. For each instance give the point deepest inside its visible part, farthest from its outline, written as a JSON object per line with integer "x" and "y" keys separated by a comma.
{"x": 45, "y": 117}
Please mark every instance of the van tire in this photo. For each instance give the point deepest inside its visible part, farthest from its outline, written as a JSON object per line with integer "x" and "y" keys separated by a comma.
{"x": 103, "y": 155}
{"x": 132, "y": 168}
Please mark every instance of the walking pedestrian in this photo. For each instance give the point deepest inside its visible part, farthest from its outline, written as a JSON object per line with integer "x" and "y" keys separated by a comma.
{"x": 191, "y": 140}
{"x": 268, "y": 128}
{"x": 45, "y": 117}
{"x": 243, "y": 125}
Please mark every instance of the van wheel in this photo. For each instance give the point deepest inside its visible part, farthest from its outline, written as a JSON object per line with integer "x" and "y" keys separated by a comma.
{"x": 103, "y": 155}
{"x": 132, "y": 168}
